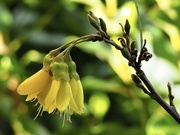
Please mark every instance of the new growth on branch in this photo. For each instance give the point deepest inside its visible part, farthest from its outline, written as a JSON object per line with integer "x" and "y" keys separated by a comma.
{"x": 134, "y": 57}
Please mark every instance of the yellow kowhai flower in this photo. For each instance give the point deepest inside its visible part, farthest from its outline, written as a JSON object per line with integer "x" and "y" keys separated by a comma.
{"x": 52, "y": 88}
{"x": 77, "y": 92}
{"x": 75, "y": 84}
{"x": 65, "y": 100}
{"x": 39, "y": 81}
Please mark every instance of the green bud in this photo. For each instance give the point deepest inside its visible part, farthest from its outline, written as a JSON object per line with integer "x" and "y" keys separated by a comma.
{"x": 102, "y": 24}
{"x": 125, "y": 53}
{"x": 136, "y": 79}
{"x": 133, "y": 45}
{"x": 93, "y": 22}
{"x": 93, "y": 16}
{"x": 127, "y": 27}
{"x": 139, "y": 84}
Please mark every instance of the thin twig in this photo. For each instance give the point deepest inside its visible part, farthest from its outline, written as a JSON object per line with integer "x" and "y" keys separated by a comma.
{"x": 112, "y": 43}
{"x": 171, "y": 97}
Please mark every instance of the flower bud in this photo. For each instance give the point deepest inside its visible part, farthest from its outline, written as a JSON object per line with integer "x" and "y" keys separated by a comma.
{"x": 136, "y": 79}
{"x": 102, "y": 24}
{"x": 133, "y": 45}
{"x": 93, "y": 16}
{"x": 93, "y": 22}
{"x": 125, "y": 53}
{"x": 127, "y": 27}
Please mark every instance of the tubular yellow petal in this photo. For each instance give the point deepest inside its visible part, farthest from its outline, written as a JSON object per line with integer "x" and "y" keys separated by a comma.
{"x": 42, "y": 95}
{"x": 52, "y": 93}
{"x": 78, "y": 96}
{"x": 63, "y": 96}
{"x": 73, "y": 86}
{"x": 79, "y": 99}
{"x": 35, "y": 83}
{"x": 73, "y": 105}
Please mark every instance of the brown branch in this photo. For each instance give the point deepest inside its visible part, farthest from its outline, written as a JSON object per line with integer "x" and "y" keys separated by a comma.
{"x": 170, "y": 109}
{"x": 153, "y": 93}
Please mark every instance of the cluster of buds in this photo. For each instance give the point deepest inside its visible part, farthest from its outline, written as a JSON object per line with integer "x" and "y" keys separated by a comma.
{"x": 129, "y": 49}
{"x": 99, "y": 25}
{"x": 56, "y": 87}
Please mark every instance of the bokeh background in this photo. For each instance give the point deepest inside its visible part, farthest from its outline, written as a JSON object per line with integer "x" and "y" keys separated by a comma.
{"x": 29, "y": 29}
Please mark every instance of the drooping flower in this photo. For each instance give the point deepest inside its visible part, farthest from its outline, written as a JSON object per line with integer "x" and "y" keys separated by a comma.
{"x": 63, "y": 95}
{"x": 75, "y": 84}
{"x": 39, "y": 81}
{"x": 53, "y": 88}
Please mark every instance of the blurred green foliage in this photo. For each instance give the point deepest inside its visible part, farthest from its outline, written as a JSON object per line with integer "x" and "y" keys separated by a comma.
{"x": 29, "y": 29}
